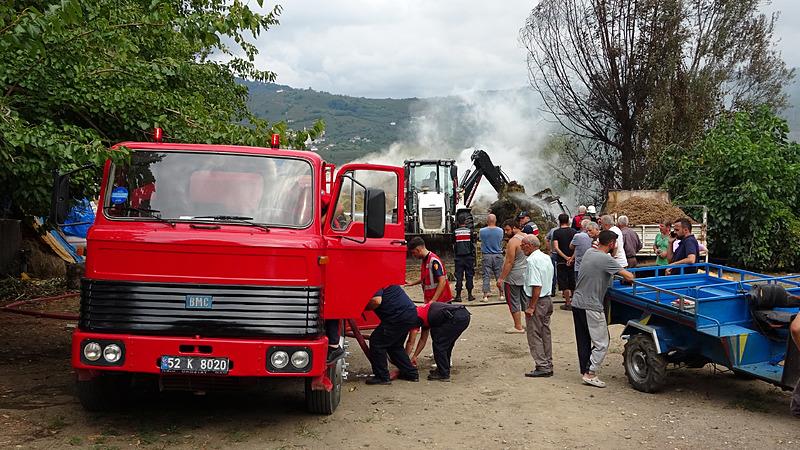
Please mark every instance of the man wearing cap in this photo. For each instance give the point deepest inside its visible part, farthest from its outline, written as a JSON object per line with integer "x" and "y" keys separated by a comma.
{"x": 525, "y": 224}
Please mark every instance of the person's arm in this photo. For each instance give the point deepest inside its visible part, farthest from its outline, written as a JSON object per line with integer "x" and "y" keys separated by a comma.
{"x": 669, "y": 254}
{"x": 639, "y": 244}
{"x": 795, "y": 330}
{"x": 423, "y": 339}
{"x": 441, "y": 283}
{"x": 508, "y": 262}
{"x": 414, "y": 283}
{"x": 537, "y": 290}
{"x": 628, "y": 276}
{"x": 558, "y": 250}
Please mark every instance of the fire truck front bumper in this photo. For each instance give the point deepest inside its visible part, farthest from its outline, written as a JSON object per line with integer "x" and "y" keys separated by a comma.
{"x": 93, "y": 353}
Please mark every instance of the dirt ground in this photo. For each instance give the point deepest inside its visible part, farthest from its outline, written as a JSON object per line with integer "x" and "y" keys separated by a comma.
{"x": 488, "y": 404}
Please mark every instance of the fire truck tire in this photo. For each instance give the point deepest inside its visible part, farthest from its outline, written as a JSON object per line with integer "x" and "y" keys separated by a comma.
{"x": 104, "y": 392}
{"x": 322, "y": 401}
{"x": 645, "y": 369}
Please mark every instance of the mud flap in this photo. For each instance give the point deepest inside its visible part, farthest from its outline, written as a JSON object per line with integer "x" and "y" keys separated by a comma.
{"x": 322, "y": 382}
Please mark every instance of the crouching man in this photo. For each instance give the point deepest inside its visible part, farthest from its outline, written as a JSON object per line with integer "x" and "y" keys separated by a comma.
{"x": 446, "y": 323}
{"x": 398, "y": 315}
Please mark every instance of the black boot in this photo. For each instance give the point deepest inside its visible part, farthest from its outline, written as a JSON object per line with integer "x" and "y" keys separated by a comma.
{"x": 458, "y": 297}
{"x": 470, "y": 297}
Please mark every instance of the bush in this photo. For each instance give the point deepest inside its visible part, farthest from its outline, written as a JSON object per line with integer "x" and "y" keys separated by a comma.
{"x": 746, "y": 171}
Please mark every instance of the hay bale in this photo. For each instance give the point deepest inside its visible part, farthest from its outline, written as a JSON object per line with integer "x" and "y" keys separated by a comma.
{"x": 644, "y": 211}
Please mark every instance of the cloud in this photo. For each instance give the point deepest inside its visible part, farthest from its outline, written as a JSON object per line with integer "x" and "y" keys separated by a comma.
{"x": 382, "y": 48}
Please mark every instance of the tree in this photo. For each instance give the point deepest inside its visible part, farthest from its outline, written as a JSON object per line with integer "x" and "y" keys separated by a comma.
{"x": 630, "y": 77}
{"x": 80, "y": 75}
{"x": 748, "y": 174}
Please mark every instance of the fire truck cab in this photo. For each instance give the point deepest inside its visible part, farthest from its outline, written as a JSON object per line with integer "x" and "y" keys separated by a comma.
{"x": 214, "y": 265}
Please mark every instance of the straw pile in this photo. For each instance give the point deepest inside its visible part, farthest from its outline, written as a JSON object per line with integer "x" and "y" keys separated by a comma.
{"x": 643, "y": 211}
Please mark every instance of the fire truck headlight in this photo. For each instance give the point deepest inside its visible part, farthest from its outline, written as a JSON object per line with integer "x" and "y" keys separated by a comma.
{"x": 279, "y": 359}
{"x": 92, "y": 351}
{"x": 300, "y": 359}
{"x": 112, "y": 353}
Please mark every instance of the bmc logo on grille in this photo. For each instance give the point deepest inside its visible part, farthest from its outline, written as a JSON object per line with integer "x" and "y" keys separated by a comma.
{"x": 199, "y": 301}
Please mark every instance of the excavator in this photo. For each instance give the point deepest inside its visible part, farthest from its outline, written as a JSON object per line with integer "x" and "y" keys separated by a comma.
{"x": 436, "y": 201}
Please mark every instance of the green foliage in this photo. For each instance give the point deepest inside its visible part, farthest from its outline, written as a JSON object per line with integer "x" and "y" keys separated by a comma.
{"x": 747, "y": 172}
{"x": 81, "y": 75}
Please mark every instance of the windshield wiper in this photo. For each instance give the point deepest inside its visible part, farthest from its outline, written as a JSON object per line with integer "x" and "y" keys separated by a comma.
{"x": 153, "y": 213}
{"x": 239, "y": 220}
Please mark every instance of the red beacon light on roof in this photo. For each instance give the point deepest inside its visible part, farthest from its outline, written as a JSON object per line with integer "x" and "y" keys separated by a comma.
{"x": 158, "y": 134}
{"x": 275, "y": 141}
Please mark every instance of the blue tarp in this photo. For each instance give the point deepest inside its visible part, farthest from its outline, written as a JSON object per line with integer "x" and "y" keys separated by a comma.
{"x": 80, "y": 213}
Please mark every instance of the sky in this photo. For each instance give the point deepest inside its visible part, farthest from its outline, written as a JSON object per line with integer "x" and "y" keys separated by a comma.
{"x": 419, "y": 48}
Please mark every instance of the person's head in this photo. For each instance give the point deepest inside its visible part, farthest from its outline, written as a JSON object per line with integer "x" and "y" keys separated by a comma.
{"x": 417, "y": 247}
{"x": 491, "y": 220}
{"x": 523, "y": 218}
{"x": 607, "y": 241}
{"x": 432, "y": 175}
{"x": 581, "y": 210}
{"x": 622, "y": 221}
{"x": 606, "y": 222}
{"x": 591, "y": 211}
{"x": 563, "y": 219}
{"x": 530, "y": 244}
{"x": 683, "y": 227}
{"x": 511, "y": 227}
{"x": 665, "y": 226}
{"x": 592, "y": 229}
{"x": 462, "y": 220}
{"x": 584, "y": 223}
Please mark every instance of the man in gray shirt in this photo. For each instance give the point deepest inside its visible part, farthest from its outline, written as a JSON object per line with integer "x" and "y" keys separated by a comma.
{"x": 583, "y": 241}
{"x": 598, "y": 268}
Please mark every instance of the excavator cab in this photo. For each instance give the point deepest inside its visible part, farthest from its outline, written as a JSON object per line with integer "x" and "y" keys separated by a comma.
{"x": 430, "y": 196}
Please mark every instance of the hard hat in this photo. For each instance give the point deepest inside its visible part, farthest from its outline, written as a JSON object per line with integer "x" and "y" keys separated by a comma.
{"x": 591, "y": 210}
{"x": 523, "y": 214}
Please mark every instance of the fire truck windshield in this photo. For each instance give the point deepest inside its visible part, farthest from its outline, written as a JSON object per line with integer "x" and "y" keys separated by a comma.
{"x": 184, "y": 186}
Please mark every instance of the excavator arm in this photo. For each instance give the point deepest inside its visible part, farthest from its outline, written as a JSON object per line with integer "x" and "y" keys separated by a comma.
{"x": 483, "y": 168}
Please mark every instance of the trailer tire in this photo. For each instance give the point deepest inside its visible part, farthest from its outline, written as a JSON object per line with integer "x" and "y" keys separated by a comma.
{"x": 105, "y": 392}
{"x": 645, "y": 369}
{"x": 322, "y": 401}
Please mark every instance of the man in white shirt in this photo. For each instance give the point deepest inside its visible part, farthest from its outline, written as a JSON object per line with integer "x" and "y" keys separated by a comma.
{"x": 538, "y": 290}
{"x": 607, "y": 223}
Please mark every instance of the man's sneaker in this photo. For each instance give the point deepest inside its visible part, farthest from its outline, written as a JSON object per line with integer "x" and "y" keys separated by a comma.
{"x": 375, "y": 380}
{"x": 565, "y": 307}
{"x": 334, "y": 354}
{"x": 408, "y": 377}
{"x": 594, "y": 381}
{"x": 539, "y": 374}
{"x": 502, "y": 298}
{"x": 485, "y": 299}
{"x": 436, "y": 376}
{"x": 457, "y": 299}
{"x": 471, "y": 298}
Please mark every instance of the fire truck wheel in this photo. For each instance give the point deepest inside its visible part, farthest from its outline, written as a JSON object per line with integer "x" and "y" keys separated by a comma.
{"x": 324, "y": 402}
{"x": 104, "y": 392}
{"x": 645, "y": 368}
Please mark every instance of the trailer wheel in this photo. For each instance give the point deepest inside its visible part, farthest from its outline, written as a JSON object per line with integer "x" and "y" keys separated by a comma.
{"x": 105, "y": 392}
{"x": 324, "y": 402}
{"x": 646, "y": 370}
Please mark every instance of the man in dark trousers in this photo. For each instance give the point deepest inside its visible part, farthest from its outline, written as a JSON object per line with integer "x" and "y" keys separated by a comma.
{"x": 446, "y": 322}
{"x": 464, "y": 250}
{"x": 398, "y": 315}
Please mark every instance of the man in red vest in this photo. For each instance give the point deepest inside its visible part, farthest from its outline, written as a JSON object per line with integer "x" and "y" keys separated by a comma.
{"x": 435, "y": 287}
{"x": 433, "y": 276}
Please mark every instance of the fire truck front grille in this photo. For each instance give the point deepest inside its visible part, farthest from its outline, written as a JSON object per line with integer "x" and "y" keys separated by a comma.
{"x": 170, "y": 309}
{"x": 432, "y": 218}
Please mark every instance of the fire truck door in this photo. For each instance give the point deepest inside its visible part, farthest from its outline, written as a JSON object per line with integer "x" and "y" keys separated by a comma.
{"x": 360, "y": 259}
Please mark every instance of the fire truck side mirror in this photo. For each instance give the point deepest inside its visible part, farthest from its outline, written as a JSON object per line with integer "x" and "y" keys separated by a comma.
{"x": 375, "y": 208}
{"x": 59, "y": 203}
{"x": 60, "y": 200}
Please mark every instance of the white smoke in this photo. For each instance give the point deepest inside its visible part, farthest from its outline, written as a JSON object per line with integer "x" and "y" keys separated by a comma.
{"x": 508, "y": 125}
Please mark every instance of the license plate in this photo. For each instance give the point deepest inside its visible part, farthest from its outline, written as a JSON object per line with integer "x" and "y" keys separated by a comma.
{"x": 194, "y": 364}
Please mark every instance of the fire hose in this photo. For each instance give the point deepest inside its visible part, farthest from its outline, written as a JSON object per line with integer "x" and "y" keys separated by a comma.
{"x": 13, "y": 308}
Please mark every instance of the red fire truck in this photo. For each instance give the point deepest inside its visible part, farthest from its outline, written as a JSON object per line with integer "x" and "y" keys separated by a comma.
{"x": 213, "y": 265}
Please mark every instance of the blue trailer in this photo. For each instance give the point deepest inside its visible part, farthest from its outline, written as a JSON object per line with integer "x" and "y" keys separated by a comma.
{"x": 721, "y": 315}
